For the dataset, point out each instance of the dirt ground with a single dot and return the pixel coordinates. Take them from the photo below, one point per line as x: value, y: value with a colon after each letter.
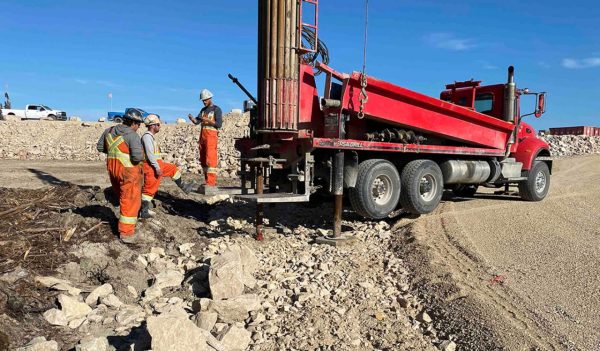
x: 526, y: 275
x: 496, y: 272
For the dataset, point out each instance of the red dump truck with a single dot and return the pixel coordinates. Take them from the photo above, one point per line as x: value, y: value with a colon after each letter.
x: 384, y: 145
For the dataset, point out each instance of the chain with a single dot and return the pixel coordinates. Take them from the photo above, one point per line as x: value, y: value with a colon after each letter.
x: 363, y: 98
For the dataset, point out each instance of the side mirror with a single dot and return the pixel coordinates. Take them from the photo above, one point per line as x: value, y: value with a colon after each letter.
x: 541, y: 105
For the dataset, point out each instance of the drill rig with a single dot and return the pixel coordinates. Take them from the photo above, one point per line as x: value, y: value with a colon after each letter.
x: 385, y: 145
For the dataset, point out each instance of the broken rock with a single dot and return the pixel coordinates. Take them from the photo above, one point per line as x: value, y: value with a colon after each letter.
x: 93, y: 344
x: 206, y: 320
x: 226, y: 275
x: 72, y: 308
x: 235, y: 309
x: 55, y: 317
x: 235, y: 338
x: 174, y: 333
x: 58, y: 284
x: 168, y: 278
x: 99, y: 292
x: 40, y: 344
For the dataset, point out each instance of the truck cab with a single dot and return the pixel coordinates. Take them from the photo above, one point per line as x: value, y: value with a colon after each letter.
x: 490, y: 100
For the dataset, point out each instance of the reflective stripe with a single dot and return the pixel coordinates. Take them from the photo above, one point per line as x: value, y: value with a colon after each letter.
x: 127, y: 220
x: 210, y: 128
x: 147, y: 197
x: 211, y: 170
x: 115, y: 153
x: 177, y: 175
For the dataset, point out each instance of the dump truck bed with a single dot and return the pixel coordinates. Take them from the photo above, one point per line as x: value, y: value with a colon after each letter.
x: 397, y: 106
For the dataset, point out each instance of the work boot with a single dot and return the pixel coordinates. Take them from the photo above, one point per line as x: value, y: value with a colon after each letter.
x: 186, y: 187
x: 145, y: 211
x: 130, y: 239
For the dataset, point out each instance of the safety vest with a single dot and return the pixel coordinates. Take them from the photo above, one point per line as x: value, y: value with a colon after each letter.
x: 156, y: 152
x: 115, y: 152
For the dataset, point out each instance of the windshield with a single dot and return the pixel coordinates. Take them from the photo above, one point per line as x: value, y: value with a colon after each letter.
x: 46, y: 107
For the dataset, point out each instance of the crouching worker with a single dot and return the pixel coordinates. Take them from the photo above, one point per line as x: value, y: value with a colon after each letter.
x: 123, y: 150
x: 155, y: 168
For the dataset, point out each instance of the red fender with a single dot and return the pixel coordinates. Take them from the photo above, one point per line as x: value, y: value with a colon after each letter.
x: 529, y: 146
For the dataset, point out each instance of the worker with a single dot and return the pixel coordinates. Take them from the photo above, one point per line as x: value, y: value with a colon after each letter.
x: 155, y: 168
x: 210, y: 117
x: 123, y: 147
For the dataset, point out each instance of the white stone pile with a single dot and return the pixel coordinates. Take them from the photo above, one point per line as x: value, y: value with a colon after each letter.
x: 572, y: 145
x: 76, y: 141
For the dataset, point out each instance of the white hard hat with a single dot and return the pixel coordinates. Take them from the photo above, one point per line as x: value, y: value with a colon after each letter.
x: 205, y: 94
x: 151, y: 120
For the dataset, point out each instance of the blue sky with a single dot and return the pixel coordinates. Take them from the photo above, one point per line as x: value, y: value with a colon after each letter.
x: 157, y: 55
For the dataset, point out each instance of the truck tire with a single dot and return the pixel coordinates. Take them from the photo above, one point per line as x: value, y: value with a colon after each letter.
x: 51, y: 118
x: 536, y: 187
x: 465, y: 190
x: 377, y: 189
x: 118, y: 120
x: 422, y: 186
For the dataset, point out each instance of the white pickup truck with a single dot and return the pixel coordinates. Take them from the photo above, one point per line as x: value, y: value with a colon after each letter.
x: 36, y: 112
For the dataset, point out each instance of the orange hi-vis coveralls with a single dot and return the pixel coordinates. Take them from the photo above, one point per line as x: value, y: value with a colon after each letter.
x: 151, y: 180
x: 124, y: 154
x: 207, y: 144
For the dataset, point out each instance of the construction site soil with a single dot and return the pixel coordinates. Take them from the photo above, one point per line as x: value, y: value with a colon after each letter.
x: 484, y: 273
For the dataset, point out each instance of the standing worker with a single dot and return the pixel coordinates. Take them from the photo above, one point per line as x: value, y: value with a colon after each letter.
x: 123, y: 147
x: 210, y: 117
x: 155, y: 168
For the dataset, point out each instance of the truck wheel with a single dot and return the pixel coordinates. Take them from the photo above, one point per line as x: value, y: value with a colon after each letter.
x: 536, y: 187
x: 118, y: 120
x: 422, y: 186
x: 465, y: 190
x: 377, y: 189
x: 51, y: 117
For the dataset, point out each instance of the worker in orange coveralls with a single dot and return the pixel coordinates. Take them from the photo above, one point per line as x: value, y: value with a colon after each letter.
x: 155, y: 168
x: 123, y: 147
x: 210, y: 117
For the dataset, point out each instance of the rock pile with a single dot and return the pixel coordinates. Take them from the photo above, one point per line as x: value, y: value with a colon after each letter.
x: 73, y: 140
x: 572, y: 145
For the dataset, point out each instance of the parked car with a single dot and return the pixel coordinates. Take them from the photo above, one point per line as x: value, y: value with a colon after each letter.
x: 117, y: 117
x: 36, y: 112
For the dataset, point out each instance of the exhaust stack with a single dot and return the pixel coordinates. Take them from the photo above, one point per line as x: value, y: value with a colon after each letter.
x: 509, y: 97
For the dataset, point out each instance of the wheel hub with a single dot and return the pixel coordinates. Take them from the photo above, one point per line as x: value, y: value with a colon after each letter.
x: 540, y: 182
x: 427, y: 187
x: 381, y: 189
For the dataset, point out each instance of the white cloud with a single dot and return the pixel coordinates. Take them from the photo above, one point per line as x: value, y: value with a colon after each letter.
x: 581, y: 63
x: 449, y: 41
x: 80, y: 81
x: 543, y: 64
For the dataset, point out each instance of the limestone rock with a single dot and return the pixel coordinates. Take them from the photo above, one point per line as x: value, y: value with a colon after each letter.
x: 174, y: 333
x: 56, y: 317
x: 99, y: 292
x: 72, y: 308
x: 40, y: 344
x: 235, y: 338
x: 168, y: 278
x: 93, y: 344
